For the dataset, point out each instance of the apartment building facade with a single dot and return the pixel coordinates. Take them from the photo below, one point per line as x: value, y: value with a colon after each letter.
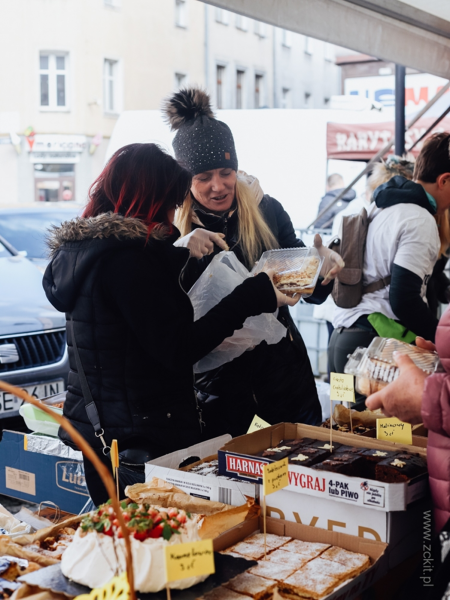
x: 85, y: 61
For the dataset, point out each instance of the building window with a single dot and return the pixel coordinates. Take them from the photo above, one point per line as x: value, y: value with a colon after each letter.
x: 260, y: 29
x: 285, y: 98
x: 53, y: 70
x: 111, y: 85
x: 308, y: 99
x: 308, y: 45
x: 242, y: 22
x: 180, y: 80
x: 259, y: 92
x: 286, y: 38
x: 240, y: 75
x: 220, y: 72
x: 180, y: 13
x: 222, y: 16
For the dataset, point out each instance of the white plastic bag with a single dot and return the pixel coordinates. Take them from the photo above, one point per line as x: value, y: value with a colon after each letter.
x: 223, y: 274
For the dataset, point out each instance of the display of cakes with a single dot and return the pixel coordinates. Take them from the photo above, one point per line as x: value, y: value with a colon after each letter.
x: 291, y: 568
x: 97, y: 552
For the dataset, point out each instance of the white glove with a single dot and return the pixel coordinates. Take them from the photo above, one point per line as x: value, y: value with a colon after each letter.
x: 332, y: 264
x: 201, y: 242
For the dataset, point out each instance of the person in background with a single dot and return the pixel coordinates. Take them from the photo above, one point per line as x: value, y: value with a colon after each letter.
x: 335, y: 185
x: 408, y: 230
x: 274, y: 381
x: 115, y: 273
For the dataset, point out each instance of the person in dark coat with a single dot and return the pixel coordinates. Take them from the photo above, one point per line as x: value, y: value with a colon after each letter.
x: 335, y: 185
x: 115, y: 273
x: 227, y: 209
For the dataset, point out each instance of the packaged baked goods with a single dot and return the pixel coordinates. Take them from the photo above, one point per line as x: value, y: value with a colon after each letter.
x: 374, y: 367
x: 296, y: 269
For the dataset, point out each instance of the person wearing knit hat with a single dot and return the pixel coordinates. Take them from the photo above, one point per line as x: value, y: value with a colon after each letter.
x: 227, y: 209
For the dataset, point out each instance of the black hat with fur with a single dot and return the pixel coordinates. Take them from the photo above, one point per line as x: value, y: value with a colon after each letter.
x: 202, y: 143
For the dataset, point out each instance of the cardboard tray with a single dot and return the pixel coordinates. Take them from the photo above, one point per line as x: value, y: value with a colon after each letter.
x: 354, y: 587
x: 227, y: 567
x: 238, y: 459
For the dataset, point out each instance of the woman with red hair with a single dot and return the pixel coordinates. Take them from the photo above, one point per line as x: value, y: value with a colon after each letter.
x: 115, y: 272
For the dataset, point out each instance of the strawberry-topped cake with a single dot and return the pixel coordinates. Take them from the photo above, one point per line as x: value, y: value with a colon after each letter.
x: 97, y: 552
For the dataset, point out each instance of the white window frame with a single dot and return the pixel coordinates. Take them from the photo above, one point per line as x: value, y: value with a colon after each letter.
x: 260, y: 29
x: 286, y: 96
x: 242, y: 22
x: 261, y: 89
x: 180, y: 80
x: 286, y: 38
x: 222, y: 16
x: 117, y: 86
x: 309, y: 42
x: 52, y: 74
x: 181, y: 16
x: 221, y: 104
x: 242, y: 72
x: 328, y: 52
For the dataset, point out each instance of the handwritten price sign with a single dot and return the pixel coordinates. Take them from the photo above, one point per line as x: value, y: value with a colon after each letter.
x: 189, y: 560
x: 394, y: 430
x: 341, y: 387
x: 275, y: 476
x: 257, y: 424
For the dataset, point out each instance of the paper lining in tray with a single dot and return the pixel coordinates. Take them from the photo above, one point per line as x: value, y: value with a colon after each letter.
x: 303, y: 263
x: 374, y: 367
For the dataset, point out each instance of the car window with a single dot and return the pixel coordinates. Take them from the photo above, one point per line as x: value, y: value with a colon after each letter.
x: 27, y: 231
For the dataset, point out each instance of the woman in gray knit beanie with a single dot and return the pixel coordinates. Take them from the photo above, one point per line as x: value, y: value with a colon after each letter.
x: 227, y: 209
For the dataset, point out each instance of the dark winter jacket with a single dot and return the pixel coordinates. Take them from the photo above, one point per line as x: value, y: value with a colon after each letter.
x: 274, y: 381
x: 326, y: 221
x: 134, y: 329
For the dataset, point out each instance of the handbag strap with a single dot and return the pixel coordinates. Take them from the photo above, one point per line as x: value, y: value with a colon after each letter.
x: 91, y: 408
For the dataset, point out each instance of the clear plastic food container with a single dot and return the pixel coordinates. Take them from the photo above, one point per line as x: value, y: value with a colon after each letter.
x: 296, y: 269
x: 374, y: 367
x: 39, y: 421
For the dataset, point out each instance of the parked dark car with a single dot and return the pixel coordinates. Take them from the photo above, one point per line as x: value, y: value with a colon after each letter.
x: 33, y: 350
x: 24, y: 226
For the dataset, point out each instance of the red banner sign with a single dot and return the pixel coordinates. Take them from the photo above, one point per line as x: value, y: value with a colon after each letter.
x: 361, y: 141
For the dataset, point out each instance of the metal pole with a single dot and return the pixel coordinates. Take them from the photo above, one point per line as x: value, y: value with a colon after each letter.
x: 399, y: 110
x: 381, y: 153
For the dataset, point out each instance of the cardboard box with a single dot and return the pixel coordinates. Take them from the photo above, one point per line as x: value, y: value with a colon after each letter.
x: 237, y: 459
x: 400, y: 529
x: 217, y: 489
x: 39, y: 468
x: 376, y: 550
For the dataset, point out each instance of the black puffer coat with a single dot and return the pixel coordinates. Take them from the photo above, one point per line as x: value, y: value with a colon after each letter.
x: 274, y: 381
x: 135, y: 331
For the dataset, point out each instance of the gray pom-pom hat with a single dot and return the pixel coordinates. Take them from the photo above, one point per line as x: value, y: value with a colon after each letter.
x: 202, y: 143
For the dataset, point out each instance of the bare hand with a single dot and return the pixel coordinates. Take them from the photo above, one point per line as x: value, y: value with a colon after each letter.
x: 201, y: 242
x: 332, y: 263
x: 426, y: 345
x: 403, y: 397
x: 282, y: 299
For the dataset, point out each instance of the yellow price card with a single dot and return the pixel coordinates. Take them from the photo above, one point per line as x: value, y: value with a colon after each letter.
x: 275, y: 476
x: 341, y: 387
x: 189, y: 560
x: 394, y: 430
x: 257, y: 424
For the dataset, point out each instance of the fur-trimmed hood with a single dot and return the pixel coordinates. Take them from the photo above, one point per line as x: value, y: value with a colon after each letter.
x: 76, y: 247
x: 107, y: 225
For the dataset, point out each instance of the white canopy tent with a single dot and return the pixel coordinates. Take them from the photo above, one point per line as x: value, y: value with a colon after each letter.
x: 413, y: 33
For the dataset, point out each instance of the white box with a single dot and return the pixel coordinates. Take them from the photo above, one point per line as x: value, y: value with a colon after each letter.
x: 216, y: 489
x: 400, y: 529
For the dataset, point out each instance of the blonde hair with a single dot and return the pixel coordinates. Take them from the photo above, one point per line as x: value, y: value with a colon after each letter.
x: 254, y: 235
